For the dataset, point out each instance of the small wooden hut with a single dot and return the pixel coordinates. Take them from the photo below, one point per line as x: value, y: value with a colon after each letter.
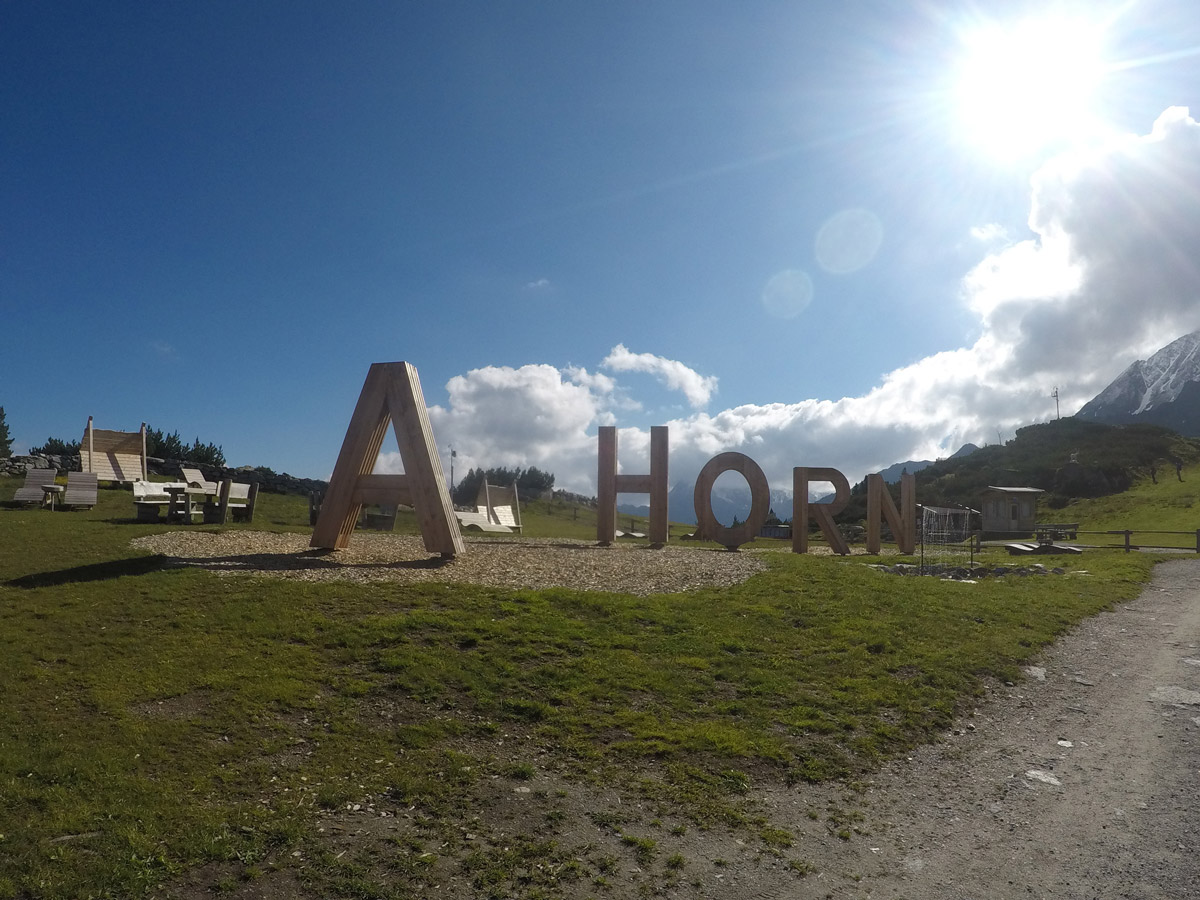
x: 1010, y: 510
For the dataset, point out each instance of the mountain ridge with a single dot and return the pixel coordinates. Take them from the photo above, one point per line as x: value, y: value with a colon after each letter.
x: 1163, y: 389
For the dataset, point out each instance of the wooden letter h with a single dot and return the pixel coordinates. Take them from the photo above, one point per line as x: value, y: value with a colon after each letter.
x: 609, y: 484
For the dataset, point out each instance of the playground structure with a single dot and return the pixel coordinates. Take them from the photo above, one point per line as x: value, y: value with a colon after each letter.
x: 114, y: 455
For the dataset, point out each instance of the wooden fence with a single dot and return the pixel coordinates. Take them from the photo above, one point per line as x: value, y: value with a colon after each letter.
x: 1127, y: 535
x: 1048, y: 534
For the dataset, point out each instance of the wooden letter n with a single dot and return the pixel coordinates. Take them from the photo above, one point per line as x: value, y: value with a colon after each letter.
x: 609, y: 484
x: 880, y: 505
x: 391, y: 393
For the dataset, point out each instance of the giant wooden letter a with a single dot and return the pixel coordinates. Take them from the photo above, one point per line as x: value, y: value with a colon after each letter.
x: 392, y: 393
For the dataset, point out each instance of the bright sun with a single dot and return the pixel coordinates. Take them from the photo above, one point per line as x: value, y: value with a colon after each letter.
x: 1029, y: 87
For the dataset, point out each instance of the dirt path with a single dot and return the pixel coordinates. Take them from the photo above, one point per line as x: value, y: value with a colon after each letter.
x: 1079, y: 782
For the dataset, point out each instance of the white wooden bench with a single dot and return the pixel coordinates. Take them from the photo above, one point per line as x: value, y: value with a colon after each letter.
x: 500, y: 506
x: 478, y: 521
x: 150, y: 496
x: 195, y: 478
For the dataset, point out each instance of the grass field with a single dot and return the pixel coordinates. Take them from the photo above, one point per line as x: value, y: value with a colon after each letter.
x: 160, y: 720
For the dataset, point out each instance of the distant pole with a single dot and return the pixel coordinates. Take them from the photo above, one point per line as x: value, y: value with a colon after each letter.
x: 1057, y: 414
x: 452, y: 457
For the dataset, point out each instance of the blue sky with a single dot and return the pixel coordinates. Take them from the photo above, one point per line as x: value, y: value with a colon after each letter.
x: 780, y: 228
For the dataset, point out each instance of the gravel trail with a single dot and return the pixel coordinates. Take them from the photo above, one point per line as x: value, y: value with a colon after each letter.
x: 1078, y: 782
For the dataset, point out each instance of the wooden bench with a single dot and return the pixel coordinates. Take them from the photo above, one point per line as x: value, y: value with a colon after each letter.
x: 31, y: 491
x: 479, y: 521
x: 81, y: 490
x: 151, y: 496
x: 235, y: 500
x: 499, y: 505
x: 384, y: 520
x: 195, y: 478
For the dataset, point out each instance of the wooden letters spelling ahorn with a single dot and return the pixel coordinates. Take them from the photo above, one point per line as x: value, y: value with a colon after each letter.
x: 391, y: 393
x: 609, y: 484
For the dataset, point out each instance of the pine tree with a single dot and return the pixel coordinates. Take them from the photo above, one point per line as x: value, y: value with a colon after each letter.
x: 5, y: 438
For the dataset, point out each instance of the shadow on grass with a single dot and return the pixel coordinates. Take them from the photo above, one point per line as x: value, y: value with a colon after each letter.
x: 308, y: 560
x: 138, y: 565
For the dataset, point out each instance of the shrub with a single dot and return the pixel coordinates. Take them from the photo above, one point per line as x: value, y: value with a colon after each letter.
x: 56, y: 447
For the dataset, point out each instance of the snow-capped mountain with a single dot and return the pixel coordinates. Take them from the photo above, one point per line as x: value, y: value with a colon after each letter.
x: 1161, y: 390
x: 727, y: 503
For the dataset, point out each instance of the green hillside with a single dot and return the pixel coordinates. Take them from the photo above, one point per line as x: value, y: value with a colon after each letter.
x: 1173, y: 504
x: 1070, y: 459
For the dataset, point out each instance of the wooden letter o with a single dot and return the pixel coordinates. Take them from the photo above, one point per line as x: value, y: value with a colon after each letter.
x: 760, y: 500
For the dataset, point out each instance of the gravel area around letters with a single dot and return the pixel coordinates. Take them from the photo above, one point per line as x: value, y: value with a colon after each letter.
x: 516, y: 563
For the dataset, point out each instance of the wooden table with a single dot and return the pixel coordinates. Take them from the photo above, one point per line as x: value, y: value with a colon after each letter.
x: 183, y: 502
x: 49, y: 492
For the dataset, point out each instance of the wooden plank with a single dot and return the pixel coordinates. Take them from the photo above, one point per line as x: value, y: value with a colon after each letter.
x: 606, y: 484
x: 908, y: 512
x: 360, y: 450
x: 422, y: 464
x: 659, y: 488
x: 383, y: 490
x: 634, y: 484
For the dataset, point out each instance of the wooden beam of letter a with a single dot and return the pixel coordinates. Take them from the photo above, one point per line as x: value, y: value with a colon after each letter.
x: 391, y: 394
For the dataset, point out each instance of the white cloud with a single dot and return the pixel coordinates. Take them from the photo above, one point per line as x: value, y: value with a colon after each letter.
x: 532, y: 416
x: 990, y: 233
x: 1110, y: 274
x: 541, y: 284
x: 697, y: 388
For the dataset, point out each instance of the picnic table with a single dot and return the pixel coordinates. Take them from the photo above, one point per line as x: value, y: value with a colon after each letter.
x: 183, y: 506
x: 1051, y: 532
